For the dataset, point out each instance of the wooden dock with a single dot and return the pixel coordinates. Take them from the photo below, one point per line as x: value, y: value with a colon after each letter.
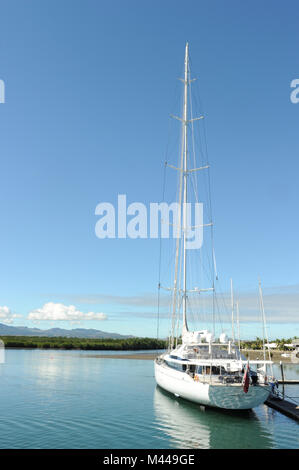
x: 288, y: 381
x: 286, y: 407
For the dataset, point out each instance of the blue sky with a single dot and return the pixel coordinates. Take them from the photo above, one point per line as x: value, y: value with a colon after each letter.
x: 89, y: 88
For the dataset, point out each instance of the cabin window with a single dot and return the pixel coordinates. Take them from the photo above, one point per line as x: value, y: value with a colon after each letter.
x: 174, y: 365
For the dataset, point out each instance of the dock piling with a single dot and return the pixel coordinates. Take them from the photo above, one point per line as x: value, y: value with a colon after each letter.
x: 282, y: 378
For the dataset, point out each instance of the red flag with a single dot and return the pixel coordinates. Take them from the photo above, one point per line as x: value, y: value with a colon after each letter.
x: 246, y: 378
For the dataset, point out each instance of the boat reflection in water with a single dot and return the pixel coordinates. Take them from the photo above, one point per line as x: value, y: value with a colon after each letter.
x: 192, y: 426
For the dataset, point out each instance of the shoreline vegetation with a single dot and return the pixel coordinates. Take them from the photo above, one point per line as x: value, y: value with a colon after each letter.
x: 252, y: 349
x: 84, y: 344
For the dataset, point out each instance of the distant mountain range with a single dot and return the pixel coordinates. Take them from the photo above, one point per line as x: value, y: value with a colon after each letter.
x: 6, y: 330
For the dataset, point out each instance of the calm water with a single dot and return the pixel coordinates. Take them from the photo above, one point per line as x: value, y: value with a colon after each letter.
x: 64, y: 399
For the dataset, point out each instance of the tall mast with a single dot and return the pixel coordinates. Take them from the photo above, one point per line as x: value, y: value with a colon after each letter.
x: 185, y: 110
x: 265, y: 333
x: 238, y: 323
x: 263, y: 317
x: 232, y: 305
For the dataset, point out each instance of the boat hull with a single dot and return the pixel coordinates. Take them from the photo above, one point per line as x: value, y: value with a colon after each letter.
x: 226, y: 396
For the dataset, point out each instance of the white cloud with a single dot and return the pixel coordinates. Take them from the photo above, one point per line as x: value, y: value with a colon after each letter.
x: 59, y: 312
x: 6, y: 315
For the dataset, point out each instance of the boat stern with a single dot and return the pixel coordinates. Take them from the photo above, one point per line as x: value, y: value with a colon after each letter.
x: 235, y: 398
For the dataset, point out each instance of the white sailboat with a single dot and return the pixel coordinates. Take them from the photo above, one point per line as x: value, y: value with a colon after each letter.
x: 198, y: 366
